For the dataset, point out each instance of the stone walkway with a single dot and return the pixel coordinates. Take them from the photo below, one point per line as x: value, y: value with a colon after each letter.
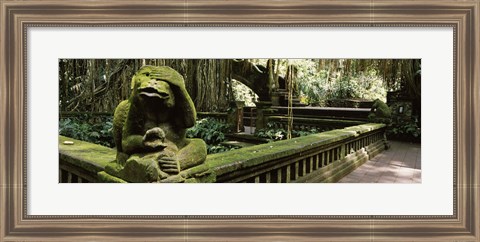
x: 399, y: 164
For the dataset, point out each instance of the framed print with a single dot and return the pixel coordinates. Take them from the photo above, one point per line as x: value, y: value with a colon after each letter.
x: 41, y: 38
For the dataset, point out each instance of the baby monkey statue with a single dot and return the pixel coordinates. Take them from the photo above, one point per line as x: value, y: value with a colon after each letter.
x: 150, y: 128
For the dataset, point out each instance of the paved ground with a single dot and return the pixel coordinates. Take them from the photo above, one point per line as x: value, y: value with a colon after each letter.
x: 399, y: 164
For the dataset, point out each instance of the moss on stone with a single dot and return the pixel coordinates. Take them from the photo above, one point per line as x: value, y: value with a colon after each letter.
x: 91, y: 157
x: 107, y: 178
x: 230, y: 161
x: 198, y: 174
x: 380, y: 112
x: 360, y: 129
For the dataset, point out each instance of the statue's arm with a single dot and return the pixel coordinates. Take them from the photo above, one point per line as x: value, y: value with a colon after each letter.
x: 119, y: 117
x: 193, y: 154
x: 133, y: 144
x: 151, y: 141
x: 132, y: 134
x: 125, y: 139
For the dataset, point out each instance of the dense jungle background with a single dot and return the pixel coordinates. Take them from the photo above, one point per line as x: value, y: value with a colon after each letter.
x: 98, y: 85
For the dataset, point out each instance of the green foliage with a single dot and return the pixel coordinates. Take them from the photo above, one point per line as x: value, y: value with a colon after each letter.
x: 273, y: 133
x: 212, y: 132
x: 335, y: 79
x: 317, y: 86
x: 404, y: 129
x: 213, y: 149
x: 95, y: 130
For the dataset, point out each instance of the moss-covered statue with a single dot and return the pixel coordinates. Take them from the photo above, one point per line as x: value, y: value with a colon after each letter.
x: 149, y: 128
x: 380, y: 112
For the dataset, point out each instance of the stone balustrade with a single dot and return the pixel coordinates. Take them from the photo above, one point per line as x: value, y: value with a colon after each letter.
x: 81, y: 161
x: 322, y: 157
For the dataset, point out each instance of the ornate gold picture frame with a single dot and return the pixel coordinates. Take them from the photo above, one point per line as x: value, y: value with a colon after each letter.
x: 17, y: 16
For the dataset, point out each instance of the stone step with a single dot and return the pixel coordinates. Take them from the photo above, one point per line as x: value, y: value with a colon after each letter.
x: 234, y: 143
x: 245, y: 137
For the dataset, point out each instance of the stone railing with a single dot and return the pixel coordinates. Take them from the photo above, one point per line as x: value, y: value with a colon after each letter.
x: 360, y: 114
x: 307, y: 124
x: 322, y: 157
x: 221, y: 117
x: 81, y: 161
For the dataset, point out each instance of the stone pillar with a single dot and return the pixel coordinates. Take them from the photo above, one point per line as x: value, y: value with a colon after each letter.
x: 276, y: 98
x: 264, y: 110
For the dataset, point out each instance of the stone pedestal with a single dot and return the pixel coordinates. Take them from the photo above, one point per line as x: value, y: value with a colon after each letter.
x: 400, y: 104
x: 197, y: 174
x: 264, y: 110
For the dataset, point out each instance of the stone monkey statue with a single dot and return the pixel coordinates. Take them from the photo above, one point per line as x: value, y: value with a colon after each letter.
x: 380, y: 112
x: 150, y: 128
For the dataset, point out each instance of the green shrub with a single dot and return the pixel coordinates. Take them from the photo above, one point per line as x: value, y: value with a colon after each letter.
x: 317, y: 86
x: 83, y: 128
x: 212, y: 132
x: 408, y: 130
x: 380, y: 112
x: 213, y: 149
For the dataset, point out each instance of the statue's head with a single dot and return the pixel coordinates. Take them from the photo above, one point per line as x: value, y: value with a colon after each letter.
x: 152, y: 90
x: 164, y: 88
